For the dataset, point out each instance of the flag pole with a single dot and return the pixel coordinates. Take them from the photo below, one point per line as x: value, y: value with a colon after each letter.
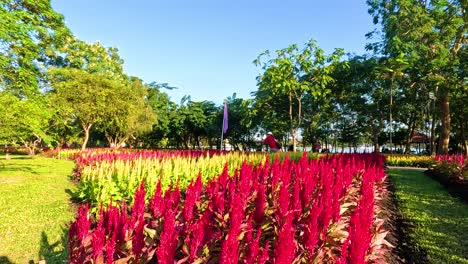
x: 224, y: 127
x: 222, y: 130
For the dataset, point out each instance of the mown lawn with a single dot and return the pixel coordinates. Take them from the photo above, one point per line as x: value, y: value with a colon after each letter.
x: 34, y: 209
x: 438, y: 222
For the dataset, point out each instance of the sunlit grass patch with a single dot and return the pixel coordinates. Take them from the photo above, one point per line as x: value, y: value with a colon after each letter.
x: 34, y: 209
x: 439, y: 222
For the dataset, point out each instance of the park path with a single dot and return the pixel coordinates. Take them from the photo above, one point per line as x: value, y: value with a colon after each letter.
x: 407, y: 168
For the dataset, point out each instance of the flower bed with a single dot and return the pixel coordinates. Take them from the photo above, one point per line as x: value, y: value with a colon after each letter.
x: 317, y: 211
x: 452, y: 172
x: 116, y: 175
x: 403, y: 160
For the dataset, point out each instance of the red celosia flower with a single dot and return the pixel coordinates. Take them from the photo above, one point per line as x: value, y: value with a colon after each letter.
x: 254, y: 248
x: 260, y: 203
x: 310, y: 238
x: 360, y: 224
x: 196, y: 232
x: 344, y: 252
x: 230, y: 246
x: 123, y: 225
x: 110, y: 249
x: 78, y: 233
x: 296, y: 206
x: 263, y: 257
x: 283, y: 200
x: 209, y: 220
x: 98, y: 239
x: 168, y: 239
x: 137, y: 221
x: 192, y: 196
x: 83, y: 222
x: 285, y: 246
x: 157, y: 204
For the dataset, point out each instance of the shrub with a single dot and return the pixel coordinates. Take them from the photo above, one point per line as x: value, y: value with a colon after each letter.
x: 403, y: 160
x: 454, y: 167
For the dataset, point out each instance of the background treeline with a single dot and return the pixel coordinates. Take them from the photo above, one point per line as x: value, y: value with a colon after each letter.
x: 56, y: 90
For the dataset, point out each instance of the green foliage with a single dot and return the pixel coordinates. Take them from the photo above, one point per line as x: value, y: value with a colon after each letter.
x: 243, y: 120
x: 162, y: 107
x: 410, y: 161
x: 93, y: 58
x: 30, y: 34
x: 24, y: 121
x: 430, y: 35
x: 35, y: 209
x: 132, y: 116
x: 295, y: 156
x: 439, y: 226
x: 86, y: 97
x: 290, y: 77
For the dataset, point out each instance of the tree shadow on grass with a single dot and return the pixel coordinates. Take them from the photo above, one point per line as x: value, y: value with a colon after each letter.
x: 5, y: 260
x: 75, y: 200
x: 29, y: 168
x: 54, y: 252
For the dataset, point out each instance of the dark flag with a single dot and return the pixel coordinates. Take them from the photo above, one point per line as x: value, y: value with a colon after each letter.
x: 225, y: 118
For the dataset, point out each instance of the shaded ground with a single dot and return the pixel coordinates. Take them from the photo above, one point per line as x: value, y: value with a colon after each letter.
x: 457, y: 188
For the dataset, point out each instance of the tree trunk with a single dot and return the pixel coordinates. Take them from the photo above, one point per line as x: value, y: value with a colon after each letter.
x: 412, y: 128
x: 293, y: 136
x: 375, y: 138
x: 445, y: 125
x: 86, y: 129
x: 27, y: 145
x: 432, y: 147
x: 463, y: 139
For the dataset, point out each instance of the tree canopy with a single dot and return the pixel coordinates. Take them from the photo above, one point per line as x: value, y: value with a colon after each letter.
x: 56, y: 89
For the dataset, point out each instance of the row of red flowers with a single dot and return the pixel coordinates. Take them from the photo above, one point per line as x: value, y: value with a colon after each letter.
x: 317, y: 211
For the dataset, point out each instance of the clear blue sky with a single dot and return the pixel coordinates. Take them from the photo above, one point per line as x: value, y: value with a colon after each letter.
x: 206, y: 47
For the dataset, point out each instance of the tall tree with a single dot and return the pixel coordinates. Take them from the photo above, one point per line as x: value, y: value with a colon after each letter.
x: 93, y: 75
x: 360, y: 92
x: 292, y: 74
x: 243, y: 122
x: 24, y: 121
x: 163, y: 108
x: 31, y: 34
x: 431, y: 33
x: 188, y: 123
x: 132, y: 116
x: 88, y: 98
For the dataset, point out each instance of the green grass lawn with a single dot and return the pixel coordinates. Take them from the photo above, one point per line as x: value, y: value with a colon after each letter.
x: 439, y: 222
x: 34, y: 209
